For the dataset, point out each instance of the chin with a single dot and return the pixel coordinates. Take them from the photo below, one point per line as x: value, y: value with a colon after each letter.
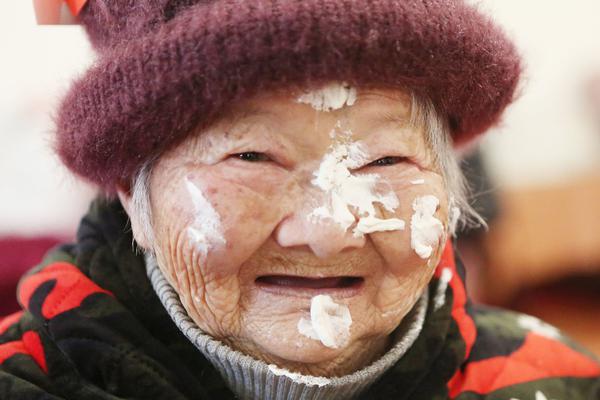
x: 305, y: 351
x: 293, y: 350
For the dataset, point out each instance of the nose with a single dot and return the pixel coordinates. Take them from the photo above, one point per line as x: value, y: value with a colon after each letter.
x: 323, y: 236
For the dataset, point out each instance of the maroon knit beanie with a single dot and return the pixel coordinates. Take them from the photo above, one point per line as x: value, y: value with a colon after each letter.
x: 166, y: 67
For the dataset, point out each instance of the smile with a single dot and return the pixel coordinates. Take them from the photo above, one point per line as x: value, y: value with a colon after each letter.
x: 342, y: 286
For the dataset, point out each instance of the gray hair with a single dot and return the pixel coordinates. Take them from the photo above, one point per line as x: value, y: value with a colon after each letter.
x: 140, y: 196
x: 438, y: 137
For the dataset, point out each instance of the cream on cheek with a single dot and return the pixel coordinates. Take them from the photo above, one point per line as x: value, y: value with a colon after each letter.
x: 424, y: 187
x: 426, y: 229
x: 406, y: 273
x: 222, y: 225
x: 235, y: 215
x: 345, y: 190
x: 205, y: 232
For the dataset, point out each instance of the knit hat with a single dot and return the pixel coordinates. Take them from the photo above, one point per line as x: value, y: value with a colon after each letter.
x: 166, y: 67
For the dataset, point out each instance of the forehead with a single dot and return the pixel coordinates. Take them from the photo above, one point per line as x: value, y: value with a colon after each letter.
x: 277, y: 122
x: 371, y: 106
x: 380, y: 118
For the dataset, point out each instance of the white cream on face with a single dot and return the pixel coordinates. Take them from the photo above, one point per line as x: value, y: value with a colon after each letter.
x: 426, y: 229
x: 339, y: 133
x: 329, y: 322
x: 371, y: 224
x: 205, y: 232
x: 345, y: 189
x: 330, y: 97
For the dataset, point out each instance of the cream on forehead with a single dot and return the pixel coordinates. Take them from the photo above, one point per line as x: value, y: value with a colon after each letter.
x: 329, y: 322
x: 332, y: 96
x: 205, y: 231
x: 345, y: 189
x: 426, y: 229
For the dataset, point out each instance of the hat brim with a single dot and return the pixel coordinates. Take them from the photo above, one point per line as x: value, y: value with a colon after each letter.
x: 149, y: 92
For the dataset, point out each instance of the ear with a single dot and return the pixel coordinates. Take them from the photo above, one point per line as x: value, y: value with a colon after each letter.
x: 138, y: 228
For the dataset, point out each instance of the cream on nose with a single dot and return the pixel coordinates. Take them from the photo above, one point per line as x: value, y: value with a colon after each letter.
x: 324, y: 237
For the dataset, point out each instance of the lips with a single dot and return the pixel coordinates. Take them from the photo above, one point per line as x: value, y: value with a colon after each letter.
x: 299, y: 282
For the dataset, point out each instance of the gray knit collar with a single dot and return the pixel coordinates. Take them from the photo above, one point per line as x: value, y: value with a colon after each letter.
x: 250, y: 378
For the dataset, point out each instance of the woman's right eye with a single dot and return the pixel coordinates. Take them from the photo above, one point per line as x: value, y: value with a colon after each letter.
x: 252, y: 156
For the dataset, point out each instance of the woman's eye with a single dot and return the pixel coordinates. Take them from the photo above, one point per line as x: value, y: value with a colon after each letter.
x: 252, y: 156
x: 390, y: 160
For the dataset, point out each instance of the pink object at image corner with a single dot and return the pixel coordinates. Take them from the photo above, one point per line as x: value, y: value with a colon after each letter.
x: 57, y: 12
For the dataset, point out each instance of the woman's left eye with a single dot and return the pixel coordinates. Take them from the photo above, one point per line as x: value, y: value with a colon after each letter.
x: 252, y: 156
x: 390, y: 160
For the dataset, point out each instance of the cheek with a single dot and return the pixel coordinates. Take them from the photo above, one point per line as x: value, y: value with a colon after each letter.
x: 395, y: 247
x: 249, y: 210
x: 405, y: 273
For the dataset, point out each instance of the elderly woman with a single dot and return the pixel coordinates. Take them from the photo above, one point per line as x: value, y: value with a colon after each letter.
x: 280, y: 191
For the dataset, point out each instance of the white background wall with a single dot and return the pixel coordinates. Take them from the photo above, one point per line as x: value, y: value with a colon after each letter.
x: 37, y: 195
x: 550, y: 136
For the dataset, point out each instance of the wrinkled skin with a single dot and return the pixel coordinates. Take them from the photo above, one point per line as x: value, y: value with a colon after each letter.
x: 263, y: 205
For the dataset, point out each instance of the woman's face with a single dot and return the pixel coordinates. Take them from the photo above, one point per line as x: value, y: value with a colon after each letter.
x: 269, y: 207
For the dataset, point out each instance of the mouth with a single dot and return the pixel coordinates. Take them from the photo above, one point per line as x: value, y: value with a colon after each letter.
x: 342, y: 286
